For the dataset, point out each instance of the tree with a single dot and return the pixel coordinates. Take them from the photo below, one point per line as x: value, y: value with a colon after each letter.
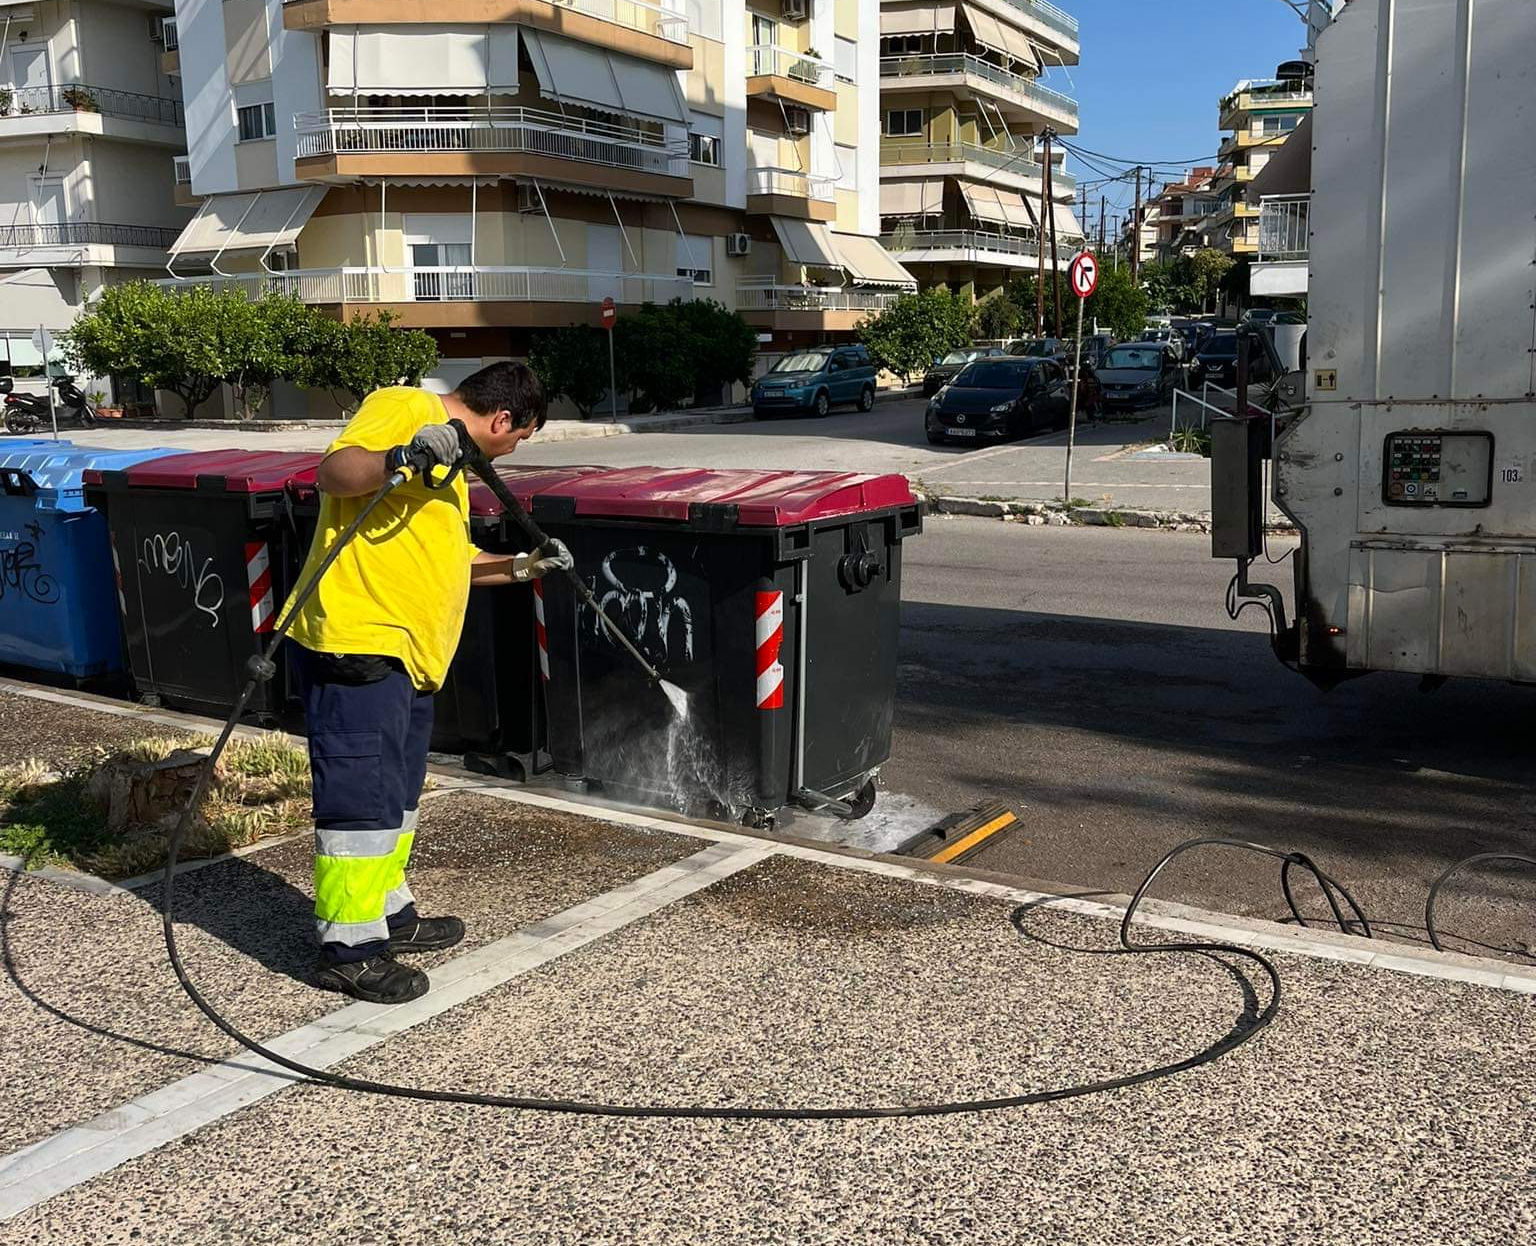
x: 572, y: 363
x: 653, y: 359
x: 1207, y: 269
x: 998, y: 317
x: 353, y: 358
x: 1021, y: 291
x: 163, y: 338
x: 1118, y: 304
x: 265, y: 340
x: 916, y: 329
x: 1157, y: 283
x: 721, y: 344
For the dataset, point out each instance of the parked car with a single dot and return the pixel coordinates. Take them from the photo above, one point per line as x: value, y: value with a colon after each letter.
x: 1138, y: 374
x: 1217, y: 362
x: 1170, y: 337
x: 1095, y: 346
x: 1036, y: 347
x: 947, y: 368
x: 1196, y: 334
x: 1259, y: 315
x: 1090, y: 393
x: 815, y: 380
x: 995, y: 399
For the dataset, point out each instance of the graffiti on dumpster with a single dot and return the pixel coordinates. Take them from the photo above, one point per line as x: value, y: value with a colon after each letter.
x: 167, y: 554
x: 638, y: 589
x: 21, y: 572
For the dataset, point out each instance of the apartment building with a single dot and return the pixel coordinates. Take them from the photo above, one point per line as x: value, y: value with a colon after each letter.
x: 1258, y: 116
x: 1181, y: 210
x: 481, y: 168
x: 90, y: 122
x: 962, y: 114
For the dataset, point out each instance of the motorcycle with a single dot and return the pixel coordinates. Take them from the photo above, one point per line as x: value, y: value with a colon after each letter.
x: 25, y: 413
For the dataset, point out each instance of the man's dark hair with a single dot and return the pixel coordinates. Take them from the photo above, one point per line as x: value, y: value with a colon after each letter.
x: 506, y: 387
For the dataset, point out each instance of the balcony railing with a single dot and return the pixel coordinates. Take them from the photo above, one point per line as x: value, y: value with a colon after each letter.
x: 344, y: 131
x: 636, y: 14
x: 85, y: 233
x: 455, y: 284
x: 168, y: 36
x: 895, y: 152
x: 961, y: 240
x: 1049, y: 14
x: 790, y: 182
x: 1284, y: 227
x: 79, y: 97
x: 181, y: 170
x: 965, y: 63
x: 764, y: 59
x: 1267, y: 90
x: 766, y: 295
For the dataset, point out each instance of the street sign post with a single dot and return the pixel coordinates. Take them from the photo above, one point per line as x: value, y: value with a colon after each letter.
x: 1084, y: 278
x: 609, y: 316
x: 43, y: 341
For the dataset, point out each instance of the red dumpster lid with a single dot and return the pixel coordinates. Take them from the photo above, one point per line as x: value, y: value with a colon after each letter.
x: 526, y: 483
x: 761, y: 499
x: 241, y: 471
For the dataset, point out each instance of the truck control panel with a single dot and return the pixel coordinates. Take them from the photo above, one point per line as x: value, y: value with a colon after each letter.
x: 1433, y: 468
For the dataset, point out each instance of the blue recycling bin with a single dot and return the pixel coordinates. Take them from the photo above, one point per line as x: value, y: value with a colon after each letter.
x: 58, y: 589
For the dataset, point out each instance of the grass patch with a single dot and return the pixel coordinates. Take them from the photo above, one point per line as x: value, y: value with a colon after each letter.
x: 1191, y: 441
x: 1114, y: 519
x: 111, y: 816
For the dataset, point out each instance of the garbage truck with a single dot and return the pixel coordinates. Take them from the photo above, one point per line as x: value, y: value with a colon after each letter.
x: 1409, y: 465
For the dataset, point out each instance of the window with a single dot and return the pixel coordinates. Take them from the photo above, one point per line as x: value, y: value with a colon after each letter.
x: 695, y: 258
x: 845, y: 58
x: 256, y: 121
x: 1275, y: 125
x: 902, y: 45
x: 847, y: 167
x: 904, y: 122
x: 704, y: 149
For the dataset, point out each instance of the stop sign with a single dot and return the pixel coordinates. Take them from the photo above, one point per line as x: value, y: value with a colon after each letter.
x: 609, y: 314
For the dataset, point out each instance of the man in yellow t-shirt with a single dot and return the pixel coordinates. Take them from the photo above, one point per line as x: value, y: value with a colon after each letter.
x: 375, y: 640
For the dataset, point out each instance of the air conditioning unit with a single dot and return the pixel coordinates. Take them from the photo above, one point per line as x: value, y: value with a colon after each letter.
x: 795, y: 10
x: 528, y: 198
x: 738, y: 244
x: 797, y: 121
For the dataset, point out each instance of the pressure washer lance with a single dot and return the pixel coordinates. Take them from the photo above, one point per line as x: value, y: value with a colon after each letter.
x: 477, y: 462
x: 261, y: 667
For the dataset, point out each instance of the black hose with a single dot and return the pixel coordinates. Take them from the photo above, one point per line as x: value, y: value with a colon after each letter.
x: 1434, y: 891
x: 1249, y: 1022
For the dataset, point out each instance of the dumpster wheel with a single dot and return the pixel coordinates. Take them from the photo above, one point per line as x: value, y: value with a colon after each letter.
x: 1250, y: 1020
x: 861, y: 802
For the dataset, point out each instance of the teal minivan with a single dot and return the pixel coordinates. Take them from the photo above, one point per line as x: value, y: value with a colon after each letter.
x: 814, y: 380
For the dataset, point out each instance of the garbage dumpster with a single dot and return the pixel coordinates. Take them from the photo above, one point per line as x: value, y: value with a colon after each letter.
x: 491, y: 706
x: 203, y: 544
x: 57, y: 595
x: 771, y: 598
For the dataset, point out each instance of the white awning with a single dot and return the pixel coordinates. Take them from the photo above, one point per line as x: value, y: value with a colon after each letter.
x: 983, y: 203
x: 1015, y: 211
x: 912, y: 198
x: 916, y: 19
x: 30, y: 297
x: 999, y: 35
x: 869, y: 264
x: 806, y: 242
x: 422, y: 60
x: 1067, y: 225
x: 585, y: 74
x: 261, y: 221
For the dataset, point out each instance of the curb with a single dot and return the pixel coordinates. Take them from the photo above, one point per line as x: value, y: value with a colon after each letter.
x: 1054, y: 514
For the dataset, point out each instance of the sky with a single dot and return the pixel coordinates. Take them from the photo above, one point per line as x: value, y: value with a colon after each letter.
x: 1153, y: 71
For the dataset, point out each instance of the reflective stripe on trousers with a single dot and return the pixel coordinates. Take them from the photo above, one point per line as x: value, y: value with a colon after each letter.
x: 360, y: 881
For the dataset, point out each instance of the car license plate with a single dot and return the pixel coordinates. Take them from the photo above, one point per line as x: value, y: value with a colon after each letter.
x: 961, y: 432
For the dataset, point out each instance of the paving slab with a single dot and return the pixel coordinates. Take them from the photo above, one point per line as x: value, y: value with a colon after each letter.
x: 1380, y: 1107
x: 91, y: 1015
x: 63, y: 735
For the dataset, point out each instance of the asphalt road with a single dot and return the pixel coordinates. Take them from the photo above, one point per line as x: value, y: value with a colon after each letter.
x: 1092, y: 678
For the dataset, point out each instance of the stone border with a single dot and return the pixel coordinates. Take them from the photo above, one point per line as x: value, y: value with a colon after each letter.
x: 1054, y: 514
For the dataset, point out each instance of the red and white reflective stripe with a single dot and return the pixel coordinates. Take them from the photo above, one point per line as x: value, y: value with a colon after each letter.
x: 258, y: 574
x: 539, y: 629
x: 770, y: 639
x: 117, y: 574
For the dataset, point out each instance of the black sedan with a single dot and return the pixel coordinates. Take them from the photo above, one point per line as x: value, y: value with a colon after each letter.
x: 1217, y: 362
x: 1138, y: 374
x: 943, y: 372
x: 995, y: 399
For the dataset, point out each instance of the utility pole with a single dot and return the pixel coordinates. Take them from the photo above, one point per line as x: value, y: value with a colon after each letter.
x: 1103, y: 209
x: 1045, y: 199
x: 1050, y: 207
x: 1136, y: 234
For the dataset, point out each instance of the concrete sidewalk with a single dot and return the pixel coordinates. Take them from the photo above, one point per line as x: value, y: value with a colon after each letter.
x: 619, y: 957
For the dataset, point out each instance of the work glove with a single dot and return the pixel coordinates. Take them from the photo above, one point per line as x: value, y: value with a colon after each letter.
x: 540, y: 562
x: 434, y: 445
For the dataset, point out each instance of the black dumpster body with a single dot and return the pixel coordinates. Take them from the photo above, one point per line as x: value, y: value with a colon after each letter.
x: 771, y: 598
x: 204, y: 550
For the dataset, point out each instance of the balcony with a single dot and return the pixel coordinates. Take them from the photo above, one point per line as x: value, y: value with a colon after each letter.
x: 85, y: 242
x: 970, y: 246
x: 763, y: 302
x: 962, y: 71
x: 1057, y: 28
x: 776, y: 73
x: 78, y: 108
x: 170, y: 47
x: 633, y: 27
x: 1266, y: 94
x: 1016, y: 169
x: 181, y: 181
x: 460, y: 296
x: 789, y: 192
x: 347, y: 143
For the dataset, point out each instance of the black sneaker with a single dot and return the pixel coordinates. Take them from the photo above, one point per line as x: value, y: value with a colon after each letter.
x: 378, y: 980
x: 426, y: 934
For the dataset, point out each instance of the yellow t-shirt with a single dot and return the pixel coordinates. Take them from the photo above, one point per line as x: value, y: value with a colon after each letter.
x: 401, y: 586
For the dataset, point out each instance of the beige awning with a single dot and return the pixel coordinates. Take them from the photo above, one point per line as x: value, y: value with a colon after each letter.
x: 912, y: 198
x: 421, y: 59
x: 916, y: 19
x: 806, y: 242
x: 998, y: 35
x: 983, y: 203
x: 869, y: 264
x: 1015, y: 210
x: 262, y: 220
x: 1067, y: 225
x: 568, y: 69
